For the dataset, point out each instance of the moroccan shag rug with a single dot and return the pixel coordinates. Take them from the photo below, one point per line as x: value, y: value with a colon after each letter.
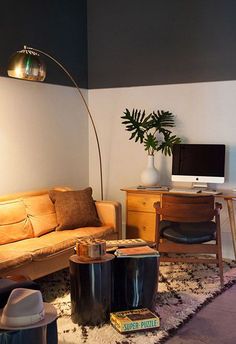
x: 182, y: 291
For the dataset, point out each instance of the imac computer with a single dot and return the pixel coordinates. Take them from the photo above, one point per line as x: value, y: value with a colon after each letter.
x: 198, y: 163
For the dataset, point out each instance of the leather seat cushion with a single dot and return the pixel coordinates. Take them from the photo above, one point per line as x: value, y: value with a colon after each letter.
x: 188, y: 233
x: 12, y: 259
x: 54, y: 242
x: 58, y: 241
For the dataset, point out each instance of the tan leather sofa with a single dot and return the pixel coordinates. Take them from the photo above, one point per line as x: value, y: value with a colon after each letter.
x: 22, y: 252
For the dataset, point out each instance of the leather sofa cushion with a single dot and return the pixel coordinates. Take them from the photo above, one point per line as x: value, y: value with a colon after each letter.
x: 58, y: 241
x: 28, y: 245
x: 54, y: 242
x: 12, y: 259
x: 41, y: 212
x: 14, y: 224
x: 75, y: 209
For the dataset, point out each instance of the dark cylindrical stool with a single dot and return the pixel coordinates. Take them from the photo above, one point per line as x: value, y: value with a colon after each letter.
x: 91, y: 285
x: 33, y: 335
x: 135, y: 282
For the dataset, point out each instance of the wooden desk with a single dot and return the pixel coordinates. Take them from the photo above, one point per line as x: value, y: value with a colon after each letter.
x: 140, y: 214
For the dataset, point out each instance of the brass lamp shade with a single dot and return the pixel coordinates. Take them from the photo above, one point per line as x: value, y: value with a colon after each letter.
x: 26, y: 64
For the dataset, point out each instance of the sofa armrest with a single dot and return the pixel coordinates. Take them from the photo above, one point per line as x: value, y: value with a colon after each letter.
x: 110, y: 214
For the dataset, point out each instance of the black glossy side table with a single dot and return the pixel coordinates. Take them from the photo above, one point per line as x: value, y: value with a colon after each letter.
x: 91, y: 289
x: 135, y: 282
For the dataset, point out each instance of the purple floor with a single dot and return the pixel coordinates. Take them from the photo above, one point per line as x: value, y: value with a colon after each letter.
x: 214, y: 324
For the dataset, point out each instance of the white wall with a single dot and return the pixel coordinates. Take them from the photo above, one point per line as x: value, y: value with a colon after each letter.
x: 205, y: 113
x: 43, y: 136
x: 44, y: 141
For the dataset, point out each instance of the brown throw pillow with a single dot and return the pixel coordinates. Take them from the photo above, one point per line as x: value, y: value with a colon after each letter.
x: 75, y: 209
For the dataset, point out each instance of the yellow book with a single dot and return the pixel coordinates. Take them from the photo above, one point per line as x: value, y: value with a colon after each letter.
x: 134, y: 320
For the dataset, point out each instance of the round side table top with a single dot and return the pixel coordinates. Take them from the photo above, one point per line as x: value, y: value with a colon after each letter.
x: 76, y: 259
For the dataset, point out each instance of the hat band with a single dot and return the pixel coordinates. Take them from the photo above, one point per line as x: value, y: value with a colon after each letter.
x: 22, y: 320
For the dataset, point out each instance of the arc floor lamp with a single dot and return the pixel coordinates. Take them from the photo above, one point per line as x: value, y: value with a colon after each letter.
x: 26, y: 64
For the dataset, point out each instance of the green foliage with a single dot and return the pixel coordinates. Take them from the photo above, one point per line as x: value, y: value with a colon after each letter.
x: 151, y: 130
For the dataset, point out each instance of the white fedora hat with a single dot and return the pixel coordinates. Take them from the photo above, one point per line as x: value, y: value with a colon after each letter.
x: 25, y: 309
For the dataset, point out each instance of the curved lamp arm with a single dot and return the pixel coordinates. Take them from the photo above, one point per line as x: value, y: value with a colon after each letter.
x: 84, y: 102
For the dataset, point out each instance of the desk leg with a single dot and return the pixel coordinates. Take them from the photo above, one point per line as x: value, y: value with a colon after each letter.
x: 232, y: 222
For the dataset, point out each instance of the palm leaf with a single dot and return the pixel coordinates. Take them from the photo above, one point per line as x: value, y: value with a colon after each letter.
x: 167, y: 144
x: 150, y: 143
x: 135, y: 122
x: 144, y: 129
x: 162, y: 119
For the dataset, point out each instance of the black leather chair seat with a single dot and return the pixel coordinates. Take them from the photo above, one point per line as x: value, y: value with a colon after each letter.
x: 188, y: 233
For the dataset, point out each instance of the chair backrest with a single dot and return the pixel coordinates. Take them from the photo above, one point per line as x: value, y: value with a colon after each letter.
x: 186, y: 208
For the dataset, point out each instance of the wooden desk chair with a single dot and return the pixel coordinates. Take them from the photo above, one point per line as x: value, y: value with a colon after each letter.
x: 184, y: 224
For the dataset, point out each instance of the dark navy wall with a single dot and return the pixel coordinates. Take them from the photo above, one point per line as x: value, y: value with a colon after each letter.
x: 130, y: 42
x: 58, y: 27
x: 148, y: 42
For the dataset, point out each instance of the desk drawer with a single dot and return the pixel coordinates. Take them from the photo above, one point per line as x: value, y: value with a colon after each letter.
x: 140, y: 225
x: 140, y: 202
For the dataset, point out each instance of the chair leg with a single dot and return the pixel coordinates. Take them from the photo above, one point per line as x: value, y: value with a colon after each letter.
x: 221, y: 273
x: 219, y: 251
x: 220, y: 264
x: 157, y: 231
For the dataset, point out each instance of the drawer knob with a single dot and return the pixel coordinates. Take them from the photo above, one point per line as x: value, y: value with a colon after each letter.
x: 144, y: 203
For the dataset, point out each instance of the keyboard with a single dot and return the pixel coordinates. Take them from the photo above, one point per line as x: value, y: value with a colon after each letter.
x: 185, y: 190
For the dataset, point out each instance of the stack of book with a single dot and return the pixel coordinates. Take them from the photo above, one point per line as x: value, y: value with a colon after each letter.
x: 134, y: 320
x: 140, y: 251
x: 125, y: 243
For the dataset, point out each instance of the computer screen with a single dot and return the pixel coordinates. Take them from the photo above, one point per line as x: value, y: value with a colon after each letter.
x: 204, y: 163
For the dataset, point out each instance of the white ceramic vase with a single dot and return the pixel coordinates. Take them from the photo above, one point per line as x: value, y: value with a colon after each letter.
x: 150, y: 176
